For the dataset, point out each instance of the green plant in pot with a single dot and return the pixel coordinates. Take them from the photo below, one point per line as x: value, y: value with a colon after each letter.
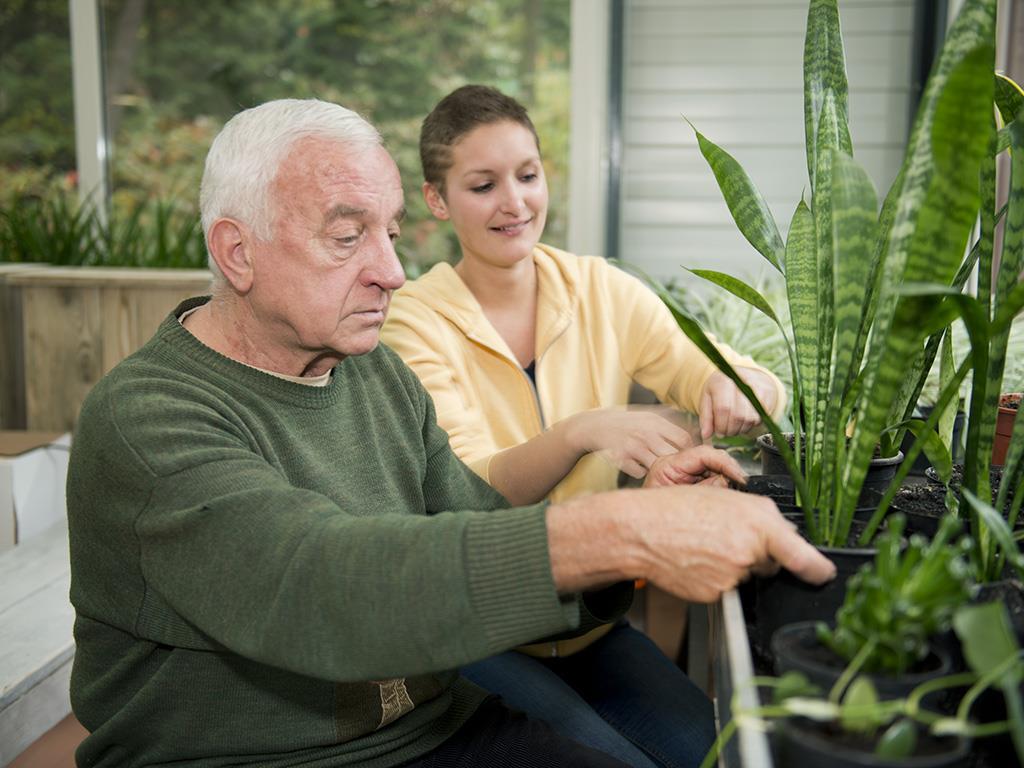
x: 893, y: 608
x: 853, y: 722
x: 859, y: 347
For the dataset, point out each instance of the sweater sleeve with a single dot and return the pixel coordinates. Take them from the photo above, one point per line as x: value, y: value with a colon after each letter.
x: 658, y: 355
x: 414, y: 331
x: 232, y: 555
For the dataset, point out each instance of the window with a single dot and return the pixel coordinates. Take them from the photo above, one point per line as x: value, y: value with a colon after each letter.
x: 176, y: 71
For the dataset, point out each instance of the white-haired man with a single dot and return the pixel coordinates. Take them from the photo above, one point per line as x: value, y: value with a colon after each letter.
x: 276, y: 558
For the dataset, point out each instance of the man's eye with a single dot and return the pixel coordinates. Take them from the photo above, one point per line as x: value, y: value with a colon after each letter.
x: 347, y: 240
x: 394, y: 235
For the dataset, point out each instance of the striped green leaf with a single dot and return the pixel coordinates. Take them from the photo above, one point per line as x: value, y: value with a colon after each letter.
x: 938, y: 204
x: 803, y: 296
x: 824, y: 71
x: 746, y: 204
x: 1009, y: 98
x: 739, y: 289
x: 854, y: 227
x: 828, y: 139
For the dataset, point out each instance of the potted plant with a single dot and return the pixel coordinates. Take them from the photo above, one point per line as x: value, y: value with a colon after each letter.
x: 893, y: 608
x: 855, y: 726
x: 859, y: 348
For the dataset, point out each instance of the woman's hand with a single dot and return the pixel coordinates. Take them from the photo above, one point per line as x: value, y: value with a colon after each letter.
x: 632, y: 439
x: 701, y: 465
x: 724, y: 410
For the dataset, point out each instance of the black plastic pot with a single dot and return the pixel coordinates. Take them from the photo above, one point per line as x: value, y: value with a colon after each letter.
x: 880, y: 472
x: 775, y: 601
x: 804, y: 743
x: 795, y: 647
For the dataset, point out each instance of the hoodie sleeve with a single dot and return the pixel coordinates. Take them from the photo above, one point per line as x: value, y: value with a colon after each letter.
x: 658, y: 355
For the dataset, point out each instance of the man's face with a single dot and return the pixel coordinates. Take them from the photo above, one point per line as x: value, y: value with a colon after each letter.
x: 323, y: 282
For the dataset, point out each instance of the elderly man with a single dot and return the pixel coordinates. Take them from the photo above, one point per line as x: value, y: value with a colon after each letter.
x: 276, y: 558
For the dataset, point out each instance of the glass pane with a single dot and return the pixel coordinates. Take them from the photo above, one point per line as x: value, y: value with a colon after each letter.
x: 176, y: 71
x: 37, y: 135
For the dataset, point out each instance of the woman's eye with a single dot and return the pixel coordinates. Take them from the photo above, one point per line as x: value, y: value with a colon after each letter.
x: 529, y: 177
x: 482, y: 188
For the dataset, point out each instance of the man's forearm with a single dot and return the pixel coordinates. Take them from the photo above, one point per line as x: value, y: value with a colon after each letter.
x: 695, y: 541
x: 593, y: 541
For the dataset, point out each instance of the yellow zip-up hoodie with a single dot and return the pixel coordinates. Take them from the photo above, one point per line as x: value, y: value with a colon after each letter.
x: 598, y: 329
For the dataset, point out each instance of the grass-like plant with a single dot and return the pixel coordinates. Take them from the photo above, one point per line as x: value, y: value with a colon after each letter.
x: 55, y: 231
x: 859, y: 346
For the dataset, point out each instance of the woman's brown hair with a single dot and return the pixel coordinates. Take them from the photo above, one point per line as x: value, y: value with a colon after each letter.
x: 457, y: 114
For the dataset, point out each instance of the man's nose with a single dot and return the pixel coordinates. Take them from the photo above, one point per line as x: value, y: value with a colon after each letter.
x: 386, y: 270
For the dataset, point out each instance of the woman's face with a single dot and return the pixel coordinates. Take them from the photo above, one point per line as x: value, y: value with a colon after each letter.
x: 496, y: 195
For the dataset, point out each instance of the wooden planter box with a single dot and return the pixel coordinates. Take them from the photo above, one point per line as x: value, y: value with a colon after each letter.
x: 65, y: 327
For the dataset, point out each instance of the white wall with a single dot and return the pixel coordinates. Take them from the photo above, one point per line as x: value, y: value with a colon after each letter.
x: 734, y: 68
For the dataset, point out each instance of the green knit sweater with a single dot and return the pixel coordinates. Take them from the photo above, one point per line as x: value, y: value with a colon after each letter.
x: 267, y: 573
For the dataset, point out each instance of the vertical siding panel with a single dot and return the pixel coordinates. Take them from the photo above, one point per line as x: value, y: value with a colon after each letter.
x: 733, y: 67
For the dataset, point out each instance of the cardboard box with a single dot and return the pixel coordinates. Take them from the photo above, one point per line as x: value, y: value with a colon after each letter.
x: 33, y: 471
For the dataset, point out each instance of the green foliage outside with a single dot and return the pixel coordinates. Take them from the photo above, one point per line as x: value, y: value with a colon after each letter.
x: 175, y: 72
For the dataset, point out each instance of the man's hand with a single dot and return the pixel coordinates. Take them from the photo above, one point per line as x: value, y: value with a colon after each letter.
x: 702, y: 465
x: 693, y: 541
x: 724, y: 410
x: 631, y: 439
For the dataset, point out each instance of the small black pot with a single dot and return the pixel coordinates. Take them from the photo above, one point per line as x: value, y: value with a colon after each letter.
x: 796, y: 647
x: 807, y: 744
x: 880, y: 472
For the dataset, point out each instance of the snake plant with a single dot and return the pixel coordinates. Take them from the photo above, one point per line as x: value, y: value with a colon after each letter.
x: 860, y: 346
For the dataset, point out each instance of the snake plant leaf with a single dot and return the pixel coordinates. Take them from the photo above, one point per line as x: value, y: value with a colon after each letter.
x: 824, y: 70
x: 804, y: 295
x: 947, y: 367
x: 938, y: 205
x: 746, y: 204
x: 854, y: 214
x: 828, y: 140
x: 1009, y: 98
x: 739, y: 289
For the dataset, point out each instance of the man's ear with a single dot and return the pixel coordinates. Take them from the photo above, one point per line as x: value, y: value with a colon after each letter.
x: 229, y: 245
x: 435, y: 202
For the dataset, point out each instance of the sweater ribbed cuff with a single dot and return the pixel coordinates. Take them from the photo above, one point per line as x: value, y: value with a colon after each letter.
x: 510, y: 579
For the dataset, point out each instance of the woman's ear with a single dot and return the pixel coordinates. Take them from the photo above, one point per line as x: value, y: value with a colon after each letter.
x: 435, y: 202
x: 229, y: 246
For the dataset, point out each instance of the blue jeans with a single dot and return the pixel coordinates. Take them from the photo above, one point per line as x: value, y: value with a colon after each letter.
x: 620, y: 695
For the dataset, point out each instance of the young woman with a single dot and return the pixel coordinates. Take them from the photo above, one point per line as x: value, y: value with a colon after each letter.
x: 529, y: 353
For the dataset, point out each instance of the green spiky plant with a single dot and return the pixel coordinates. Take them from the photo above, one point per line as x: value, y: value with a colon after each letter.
x: 988, y: 319
x: 859, y: 346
